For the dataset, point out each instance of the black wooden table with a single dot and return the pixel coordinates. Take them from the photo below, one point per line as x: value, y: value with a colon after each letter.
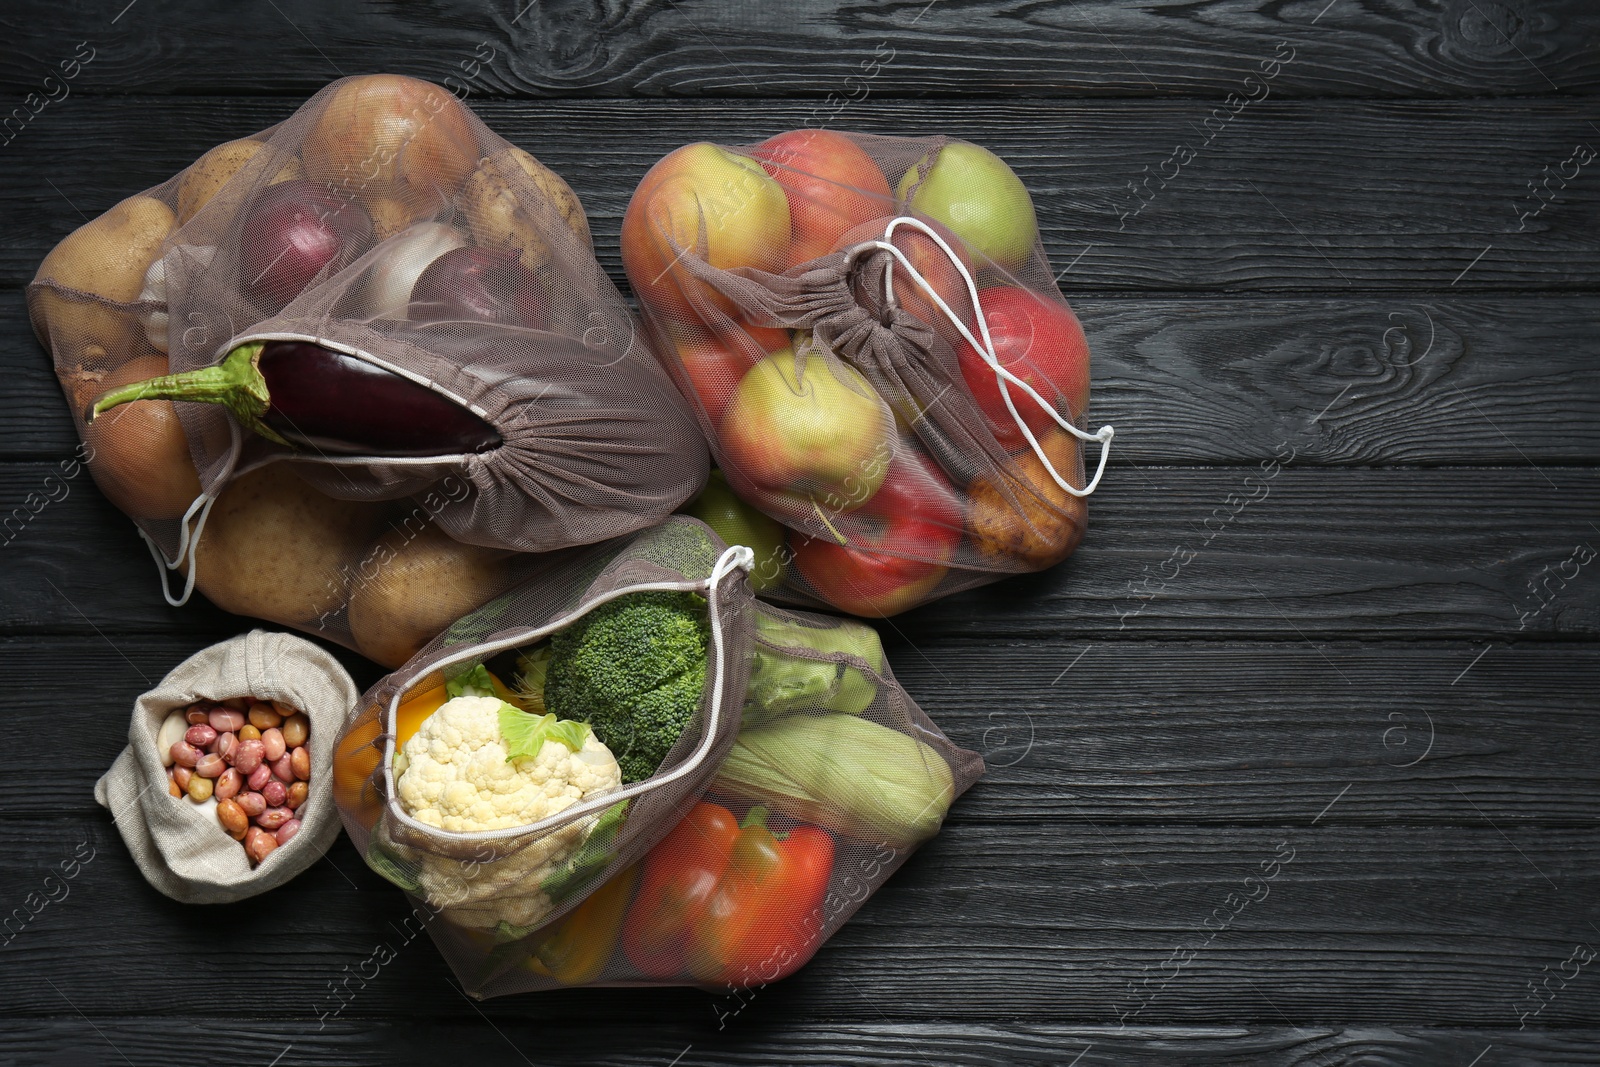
x: 1292, y: 763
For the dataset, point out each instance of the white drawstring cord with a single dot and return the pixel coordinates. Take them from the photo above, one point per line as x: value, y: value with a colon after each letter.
x: 189, y: 541
x: 986, y: 348
x: 735, y: 557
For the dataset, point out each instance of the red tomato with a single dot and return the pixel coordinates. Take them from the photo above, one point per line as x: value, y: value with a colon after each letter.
x: 1041, y: 342
x: 902, y: 541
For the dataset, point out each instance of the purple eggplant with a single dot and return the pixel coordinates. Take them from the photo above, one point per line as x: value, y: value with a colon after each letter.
x: 305, y: 396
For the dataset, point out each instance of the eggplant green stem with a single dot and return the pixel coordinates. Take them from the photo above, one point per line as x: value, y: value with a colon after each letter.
x: 236, y: 383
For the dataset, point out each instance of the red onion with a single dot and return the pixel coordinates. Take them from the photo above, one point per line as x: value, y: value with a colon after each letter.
x: 478, y: 283
x: 293, y: 231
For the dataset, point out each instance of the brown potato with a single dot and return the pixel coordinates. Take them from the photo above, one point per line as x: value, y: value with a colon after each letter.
x: 105, y: 258
x: 139, y: 454
x: 207, y: 175
x: 278, y: 549
x: 411, y: 584
x: 494, y: 200
x: 389, y: 137
x: 1046, y: 524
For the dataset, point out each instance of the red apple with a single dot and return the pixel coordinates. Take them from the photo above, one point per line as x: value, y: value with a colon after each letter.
x: 832, y: 185
x: 293, y: 231
x: 807, y: 426
x: 901, y: 543
x: 930, y: 261
x: 701, y: 200
x: 972, y: 191
x: 1041, y: 342
x: 478, y: 283
x: 711, y: 371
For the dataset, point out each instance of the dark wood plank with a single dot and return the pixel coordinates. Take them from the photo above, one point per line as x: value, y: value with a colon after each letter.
x: 765, y: 1040
x: 1290, y: 196
x: 1345, y: 382
x: 1060, y: 921
x: 817, y: 47
x: 1098, y: 732
x: 1199, y: 552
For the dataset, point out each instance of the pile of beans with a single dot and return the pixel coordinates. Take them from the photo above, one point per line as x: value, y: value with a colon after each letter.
x: 249, y: 757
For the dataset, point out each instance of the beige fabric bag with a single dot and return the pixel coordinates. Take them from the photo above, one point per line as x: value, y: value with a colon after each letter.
x: 180, y: 846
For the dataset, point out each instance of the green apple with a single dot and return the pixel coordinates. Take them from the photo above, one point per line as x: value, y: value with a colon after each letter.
x: 807, y: 427
x: 974, y: 193
x: 737, y: 523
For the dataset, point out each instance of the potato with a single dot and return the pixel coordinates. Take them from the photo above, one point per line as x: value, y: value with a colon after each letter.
x: 494, y: 202
x: 278, y: 549
x: 106, y: 258
x: 412, y: 584
x: 1047, y: 523
x: 207, y: 175
x: 139, y: 454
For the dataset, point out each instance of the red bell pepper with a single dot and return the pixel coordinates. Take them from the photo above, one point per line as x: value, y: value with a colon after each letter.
x: 728, y: 902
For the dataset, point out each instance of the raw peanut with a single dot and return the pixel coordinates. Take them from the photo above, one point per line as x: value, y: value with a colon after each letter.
x: 232, y: 818
x: 228, y: 785
x: 262, y: 717
x: 252, y: 803
x: 261, y: 846
x: 172, y: 785
x: 199, y: 789
x: 283, y: 769
x: 226, y: 745
x: 184, y: 754
x: 273, y: 818
x: 260, y: 777
x: 273, y: 744
x: 181, y: 775
x: 239, y: 704
x: 210, y: 766
x: 196, y: 716
x: 249, y: 733
x: 247, y: 757
x: 286, y: 832
x: 200, y: 735
x: 297, y: 795
x: 300, y: 761
x: 295, y: 729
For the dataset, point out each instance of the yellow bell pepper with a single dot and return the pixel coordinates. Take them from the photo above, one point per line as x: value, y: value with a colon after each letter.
x: 577, y: 950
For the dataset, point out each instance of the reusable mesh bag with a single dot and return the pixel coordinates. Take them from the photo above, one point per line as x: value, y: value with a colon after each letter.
x: 801, y: 735
x: 878, y: 354
x: 393, y: 301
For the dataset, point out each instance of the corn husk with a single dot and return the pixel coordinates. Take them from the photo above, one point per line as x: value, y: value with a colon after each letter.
x: 848, y: 774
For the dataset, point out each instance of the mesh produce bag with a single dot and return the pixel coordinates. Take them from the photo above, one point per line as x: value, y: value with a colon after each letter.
x: 879, y: 356
x: 390, y: 299
x: 803, y: 778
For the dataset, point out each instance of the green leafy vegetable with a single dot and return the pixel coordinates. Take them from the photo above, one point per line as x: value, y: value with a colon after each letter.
x: 532, y: 667
x: 590, y: 857
x: 387, y: 866
x: 474, y: 682
x: 781, y: 682
x: 525, y: 734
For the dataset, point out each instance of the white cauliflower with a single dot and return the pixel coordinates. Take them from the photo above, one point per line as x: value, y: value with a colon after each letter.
x: 454, y: 773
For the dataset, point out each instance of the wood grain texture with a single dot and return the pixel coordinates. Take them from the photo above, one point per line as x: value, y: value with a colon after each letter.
x: 1381, y: 382
x: 1198, y: 552
x: 812, y: 48
x: 1093, y: 920
x: 1329, y: 197
x: 766, y: 1040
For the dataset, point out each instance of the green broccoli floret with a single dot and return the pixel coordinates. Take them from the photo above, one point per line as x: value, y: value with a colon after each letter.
x: 633, y: 669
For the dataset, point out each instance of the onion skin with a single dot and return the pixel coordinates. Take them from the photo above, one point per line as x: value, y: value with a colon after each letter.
x: 294, y: 231
x: 305, y: 396
x: 397, y: 264
x: 476, y: 283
